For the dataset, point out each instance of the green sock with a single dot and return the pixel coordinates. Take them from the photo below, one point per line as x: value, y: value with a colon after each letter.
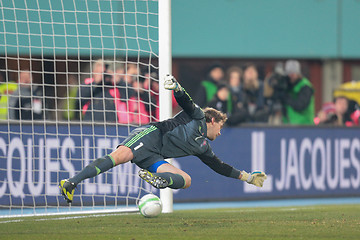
x: 98, y: 166
x: 175, y: 181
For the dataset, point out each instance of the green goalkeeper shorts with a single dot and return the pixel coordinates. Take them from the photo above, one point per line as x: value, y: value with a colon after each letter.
x: 145, y: 144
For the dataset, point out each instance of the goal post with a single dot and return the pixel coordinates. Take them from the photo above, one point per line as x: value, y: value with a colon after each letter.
x: 165, y: 67
x: 75, y: 78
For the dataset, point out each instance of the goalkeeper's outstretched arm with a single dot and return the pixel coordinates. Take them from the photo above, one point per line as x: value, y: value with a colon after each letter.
x: 256, y: 178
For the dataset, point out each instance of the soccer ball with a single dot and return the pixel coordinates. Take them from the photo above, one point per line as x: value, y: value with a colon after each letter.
x: 150, y: 206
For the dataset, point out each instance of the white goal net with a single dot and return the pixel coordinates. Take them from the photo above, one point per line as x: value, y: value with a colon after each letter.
x: 76, y: 76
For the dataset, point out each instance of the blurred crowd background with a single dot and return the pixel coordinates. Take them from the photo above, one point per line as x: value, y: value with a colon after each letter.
x: 259, y: 62
x: 125, y: 92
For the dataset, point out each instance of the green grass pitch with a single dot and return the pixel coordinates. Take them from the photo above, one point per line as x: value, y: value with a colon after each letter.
x: 311, y: 222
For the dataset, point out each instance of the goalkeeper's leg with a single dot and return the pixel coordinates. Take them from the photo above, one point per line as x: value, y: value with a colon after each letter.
x: 166, y: 176
x: 121, y: 155
x: 169, y: 170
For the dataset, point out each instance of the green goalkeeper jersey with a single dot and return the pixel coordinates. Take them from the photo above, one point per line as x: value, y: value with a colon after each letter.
x: 185, y: 135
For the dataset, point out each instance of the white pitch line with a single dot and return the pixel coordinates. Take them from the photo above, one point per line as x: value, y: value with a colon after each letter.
x: 11, y: 221
x: 85, y: 216
x: 78, y: 212
x: 71, y: 217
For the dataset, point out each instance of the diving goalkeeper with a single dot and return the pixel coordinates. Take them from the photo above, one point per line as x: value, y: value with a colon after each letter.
x: 185, y: 134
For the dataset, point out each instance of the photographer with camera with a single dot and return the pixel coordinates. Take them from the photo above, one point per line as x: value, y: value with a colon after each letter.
x: 299, y: 101
x: 290, y: 95
x: 275, y: 88
x: 99, y: 98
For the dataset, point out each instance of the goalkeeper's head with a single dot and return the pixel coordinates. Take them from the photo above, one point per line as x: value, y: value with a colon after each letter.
x: 215, y: 121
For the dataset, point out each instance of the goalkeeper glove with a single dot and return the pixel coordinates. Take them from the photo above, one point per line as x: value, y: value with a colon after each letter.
x: 256, y: 178
x: 170, y: 83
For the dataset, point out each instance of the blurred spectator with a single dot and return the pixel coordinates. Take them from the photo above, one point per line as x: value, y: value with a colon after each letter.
x: 275, y: 88
x: 151, y: 85
x: 222, y: 103
x: 347, y: 112
x: 27, y: 102
x: 253, y: 101
x: 299, y: 101
x: 6, y: 89
x: 99, y: 98
x: 71, y: 110
x: 355, y: 117
x: 209, y: 86
x: 141, y: 105
x: 124, y: 86
x: 343, y: 112
x: 119, y: 72
x: 234, y: 75
x: 220, y: 100
x: 151, y: 82
x: 327, y: 115
x: 131, y: 73
x: 354, y: 112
